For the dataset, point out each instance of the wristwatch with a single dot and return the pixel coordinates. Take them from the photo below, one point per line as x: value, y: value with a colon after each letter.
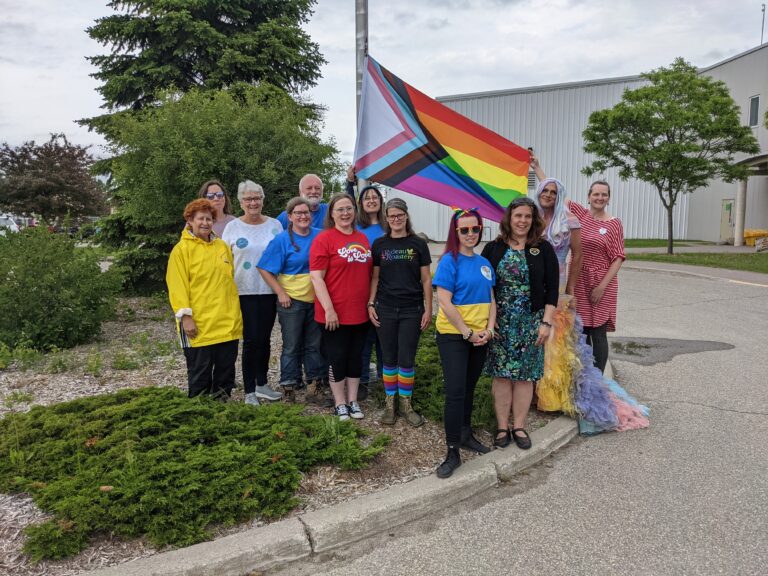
x: 371, y: 305
x: 469, y: 334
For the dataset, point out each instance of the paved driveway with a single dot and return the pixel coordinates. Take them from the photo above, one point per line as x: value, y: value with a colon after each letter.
x: 687, y: 496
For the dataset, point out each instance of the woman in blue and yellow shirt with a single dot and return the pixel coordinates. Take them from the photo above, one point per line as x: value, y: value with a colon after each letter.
x: 464, y: 282
x: 285, y: 267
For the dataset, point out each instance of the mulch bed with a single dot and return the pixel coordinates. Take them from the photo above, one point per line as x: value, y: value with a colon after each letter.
x: 412, y: 453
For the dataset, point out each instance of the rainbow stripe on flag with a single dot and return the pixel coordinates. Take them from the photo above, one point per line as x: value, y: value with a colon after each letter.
x: 407, y: 140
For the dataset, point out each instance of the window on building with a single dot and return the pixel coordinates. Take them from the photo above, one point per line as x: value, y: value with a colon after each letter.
x: 754, y: 104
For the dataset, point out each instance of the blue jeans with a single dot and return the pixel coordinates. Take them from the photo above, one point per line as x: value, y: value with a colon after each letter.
x: 301, y: 343
x: 371, y: 340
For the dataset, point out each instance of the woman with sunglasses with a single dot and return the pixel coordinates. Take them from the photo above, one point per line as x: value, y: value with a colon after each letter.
x: 400, y: 307
x: 248, y: 237
x: 563, y: 231
x: 213, y: 191
x: 464, y: 327
x: 526, y: 292
x: 340, y: 269
x: 600, y: 403
x: 370, y: 221
x: 285, y: 267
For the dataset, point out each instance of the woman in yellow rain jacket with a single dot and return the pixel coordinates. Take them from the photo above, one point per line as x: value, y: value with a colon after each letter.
x: 203, y: 294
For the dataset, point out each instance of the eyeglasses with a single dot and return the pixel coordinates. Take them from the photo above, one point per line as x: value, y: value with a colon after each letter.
x: 396, y: 217
x: 344, y: 210
x: 303, y: 213
x: 252, y: 200
x: 464, y: 230
x: 212, y: 195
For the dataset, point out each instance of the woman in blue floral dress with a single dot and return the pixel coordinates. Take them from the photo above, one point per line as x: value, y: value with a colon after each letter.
x: 527, y: 281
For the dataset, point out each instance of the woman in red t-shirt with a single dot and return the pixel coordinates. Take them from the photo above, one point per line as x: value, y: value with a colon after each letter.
x: 340, y: 268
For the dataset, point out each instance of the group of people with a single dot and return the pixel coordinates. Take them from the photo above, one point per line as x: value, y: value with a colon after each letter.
x: 349, y: 275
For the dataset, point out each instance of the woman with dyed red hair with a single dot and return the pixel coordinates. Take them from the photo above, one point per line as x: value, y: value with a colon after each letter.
x: 203, y: 295
x: 465, y: 321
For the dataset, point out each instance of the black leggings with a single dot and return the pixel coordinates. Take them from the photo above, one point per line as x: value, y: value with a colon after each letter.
x: 462, y: 365
x: 259, y: 311
x: 343, y: 349
x: 597, y: 337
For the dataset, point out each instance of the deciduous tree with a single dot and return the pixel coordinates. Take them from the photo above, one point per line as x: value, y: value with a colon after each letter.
x: 164, y: 154
x: 51, y: 179
x: 678, y: 132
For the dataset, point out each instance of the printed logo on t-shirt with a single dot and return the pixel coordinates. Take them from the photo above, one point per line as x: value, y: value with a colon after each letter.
x: 397, y: 254
x: 486, y: 272
x: 355, y: 253
x: 241, y: 243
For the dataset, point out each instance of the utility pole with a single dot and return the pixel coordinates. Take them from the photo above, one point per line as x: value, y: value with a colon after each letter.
x: 361, y: 40
x: 762, y: 28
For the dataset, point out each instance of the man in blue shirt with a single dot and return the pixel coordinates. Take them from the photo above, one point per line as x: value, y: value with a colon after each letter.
x: 311, y: 188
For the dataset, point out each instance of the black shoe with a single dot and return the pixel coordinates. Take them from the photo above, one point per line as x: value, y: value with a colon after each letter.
x: 362, y: 391
x: 452, y: 461
x: 469, y: 442
x: 523, y: 442
x: 504, y: 441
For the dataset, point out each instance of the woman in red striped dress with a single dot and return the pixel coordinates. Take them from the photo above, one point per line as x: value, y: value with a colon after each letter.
x: 602, y: 241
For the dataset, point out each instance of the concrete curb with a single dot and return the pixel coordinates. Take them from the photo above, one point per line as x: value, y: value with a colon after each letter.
x: 340, y: 525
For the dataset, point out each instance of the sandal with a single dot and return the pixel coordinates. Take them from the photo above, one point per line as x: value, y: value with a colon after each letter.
x: 503, y: 441
x: 523, y: 442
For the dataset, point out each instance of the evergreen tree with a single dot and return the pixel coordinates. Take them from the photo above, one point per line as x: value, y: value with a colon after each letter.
x: 211, y: 44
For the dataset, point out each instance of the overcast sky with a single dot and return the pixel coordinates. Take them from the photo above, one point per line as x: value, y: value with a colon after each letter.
x: 441, y: 47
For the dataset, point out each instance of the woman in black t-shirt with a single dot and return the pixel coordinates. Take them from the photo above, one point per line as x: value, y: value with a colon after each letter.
x: 400, y: 306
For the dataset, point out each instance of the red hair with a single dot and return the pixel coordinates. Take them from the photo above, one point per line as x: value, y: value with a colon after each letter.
x: 452, y: 242
x: 199, y: 205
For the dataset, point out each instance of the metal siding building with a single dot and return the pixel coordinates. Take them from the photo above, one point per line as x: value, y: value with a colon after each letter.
x: 746, y: 76
x: 550, y: 119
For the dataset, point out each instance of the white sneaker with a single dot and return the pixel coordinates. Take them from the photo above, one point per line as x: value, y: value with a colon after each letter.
x: 355, y: 412
x: 251, y: 399
x: 266, y: 393
x: 342, y: 412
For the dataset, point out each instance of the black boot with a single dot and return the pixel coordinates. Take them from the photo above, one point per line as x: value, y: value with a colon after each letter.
x: 469, y: 442
x: 452, y: 461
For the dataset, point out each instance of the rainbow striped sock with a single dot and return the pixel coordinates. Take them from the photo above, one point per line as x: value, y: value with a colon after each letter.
x: 390, y: 380
x: 405, y: 382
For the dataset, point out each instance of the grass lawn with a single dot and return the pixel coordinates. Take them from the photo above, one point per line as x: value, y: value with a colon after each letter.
x: 746, y: 262
x: 658, y: 242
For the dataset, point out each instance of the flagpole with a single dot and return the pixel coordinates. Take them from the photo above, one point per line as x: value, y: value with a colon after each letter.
x: 361, y: 38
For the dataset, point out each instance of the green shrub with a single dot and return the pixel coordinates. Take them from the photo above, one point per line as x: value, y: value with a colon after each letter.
x: 93, y: 364
x: 51, y: 294
x: 428, y: 391
x: 153, y: 462
x: 6, y: 356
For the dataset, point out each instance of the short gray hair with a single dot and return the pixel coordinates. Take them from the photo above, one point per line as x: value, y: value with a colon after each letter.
x: 305, y: 177
x: 248, y: 186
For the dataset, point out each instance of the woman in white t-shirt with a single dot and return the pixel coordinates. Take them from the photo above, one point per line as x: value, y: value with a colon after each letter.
x: 248, y: 237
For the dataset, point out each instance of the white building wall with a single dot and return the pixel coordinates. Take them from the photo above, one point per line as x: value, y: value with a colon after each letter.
x: 551, y: 119
x: 746, y: 75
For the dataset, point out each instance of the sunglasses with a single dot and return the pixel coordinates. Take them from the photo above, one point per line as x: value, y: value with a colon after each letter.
x: 464, y: 230
x: 212, y: 195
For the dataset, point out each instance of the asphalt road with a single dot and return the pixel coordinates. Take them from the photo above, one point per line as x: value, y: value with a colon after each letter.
x: 687, y: 496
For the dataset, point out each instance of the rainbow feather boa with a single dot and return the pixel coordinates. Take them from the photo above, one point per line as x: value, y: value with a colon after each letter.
x: 571, y: 383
